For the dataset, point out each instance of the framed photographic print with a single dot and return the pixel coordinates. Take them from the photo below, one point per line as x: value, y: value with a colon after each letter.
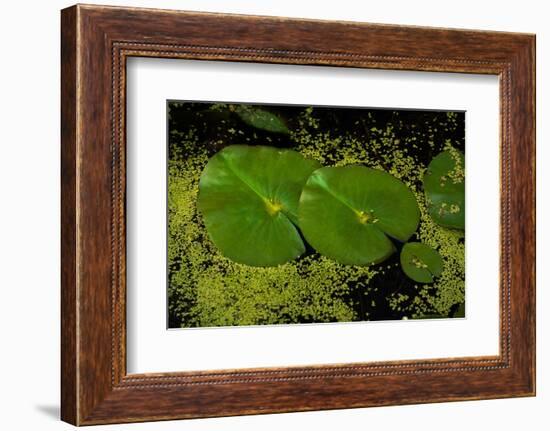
x: 265, y: 215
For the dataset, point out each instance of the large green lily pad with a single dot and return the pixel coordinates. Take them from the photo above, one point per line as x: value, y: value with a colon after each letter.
x: 347, y: 213
x: 445, y: 191
x: 421, y: 262
x: 261, y: 119
x: 248, y: 197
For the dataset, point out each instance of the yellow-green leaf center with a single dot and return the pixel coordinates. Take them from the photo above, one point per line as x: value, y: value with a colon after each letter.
x: 273, y: 207
x: 366, y: 217
x: 418, y: 263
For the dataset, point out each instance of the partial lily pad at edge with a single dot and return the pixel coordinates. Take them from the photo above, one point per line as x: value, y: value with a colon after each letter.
x: 261, y: 119
x: 248, y: 198
x: 348, y: 213
x: 461, y: 310
x: 445, y: 189
x: 420, y: 262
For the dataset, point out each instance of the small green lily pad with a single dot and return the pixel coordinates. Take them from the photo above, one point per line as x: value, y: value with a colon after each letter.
x: 461, y: 310
x: 444, y: 188
x: 420, y: 262
x: 248, y: 197
x: 261, y: 119
x: 347, y: 213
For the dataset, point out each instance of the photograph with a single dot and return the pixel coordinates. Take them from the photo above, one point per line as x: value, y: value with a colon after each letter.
x: 294, y: 214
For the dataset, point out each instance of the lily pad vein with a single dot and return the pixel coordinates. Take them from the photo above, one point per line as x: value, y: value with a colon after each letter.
x: 343, y: 201
x: 251, y: 187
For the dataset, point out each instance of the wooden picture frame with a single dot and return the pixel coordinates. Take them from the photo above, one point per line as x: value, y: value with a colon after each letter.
x: 95, y: 43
